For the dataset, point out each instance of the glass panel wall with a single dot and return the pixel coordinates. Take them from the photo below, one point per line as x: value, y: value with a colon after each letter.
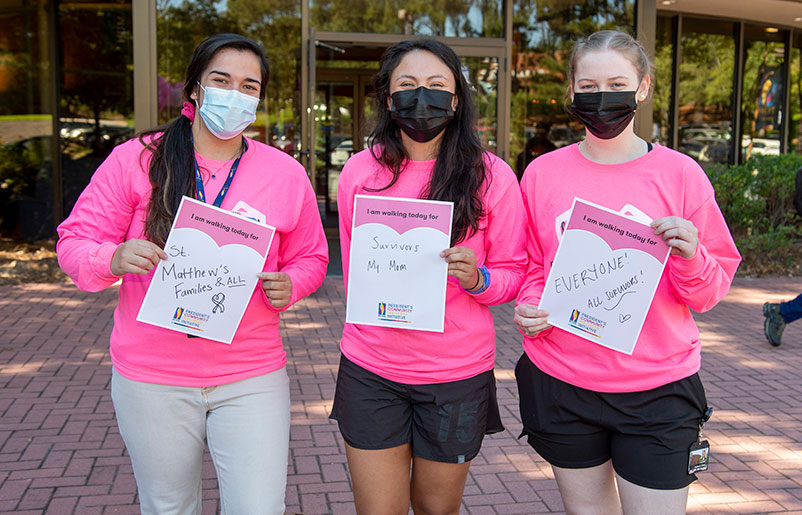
x: 543, y: 36
x: 182, y: 25
x: 482, y: 75
x: 26, y: 121
x: 450, y: 18
x: 795, y: 121
x: 664, y: 74
x: 96, y: 87
x: 705, y: 90
x: 762, y: 100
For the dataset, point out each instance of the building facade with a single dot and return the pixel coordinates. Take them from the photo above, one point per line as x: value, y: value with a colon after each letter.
x: 77, y: 78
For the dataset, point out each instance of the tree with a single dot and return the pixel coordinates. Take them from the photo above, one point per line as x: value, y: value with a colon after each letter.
x: 98, y: 72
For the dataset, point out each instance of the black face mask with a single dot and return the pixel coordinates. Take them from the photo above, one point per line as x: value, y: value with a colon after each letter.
x: 422, y: 113
x: 605, y: 113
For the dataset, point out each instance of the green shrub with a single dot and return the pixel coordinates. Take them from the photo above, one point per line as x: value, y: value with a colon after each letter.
x: 764, y: 243
x: 756, y: 197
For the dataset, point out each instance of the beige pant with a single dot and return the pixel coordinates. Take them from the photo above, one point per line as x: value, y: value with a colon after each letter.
x: 246, y: 425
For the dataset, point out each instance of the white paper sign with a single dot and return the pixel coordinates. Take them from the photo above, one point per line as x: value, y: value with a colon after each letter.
x: 604, y: 276
x: 208, y: 280
x: 396, y: 277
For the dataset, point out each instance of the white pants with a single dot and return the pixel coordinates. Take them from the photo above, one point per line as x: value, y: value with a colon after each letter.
x: 246, y: 425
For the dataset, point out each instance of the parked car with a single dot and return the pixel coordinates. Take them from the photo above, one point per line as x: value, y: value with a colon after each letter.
x: 765, y: 146
x: 342, y: 152
x: 562, y: 135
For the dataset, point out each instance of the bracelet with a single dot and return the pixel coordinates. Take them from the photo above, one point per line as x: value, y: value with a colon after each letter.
x: 486, y: 275
x: 478, y: 278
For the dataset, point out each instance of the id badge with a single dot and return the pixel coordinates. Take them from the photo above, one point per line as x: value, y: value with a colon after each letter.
x: 699, y: 458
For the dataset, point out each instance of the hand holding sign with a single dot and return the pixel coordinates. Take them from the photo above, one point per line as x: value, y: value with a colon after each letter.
x: 277, y: 287
x: 531, y: 320
x: 679, y: 234
x: 136, y: 257
x: 462, y: 265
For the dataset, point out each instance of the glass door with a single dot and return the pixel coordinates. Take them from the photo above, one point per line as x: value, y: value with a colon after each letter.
x: 27, y: 108
x: 342, y: 115
x: 335, y: 136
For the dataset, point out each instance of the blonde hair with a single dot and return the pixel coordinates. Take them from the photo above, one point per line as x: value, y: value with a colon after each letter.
x: 616, y: 40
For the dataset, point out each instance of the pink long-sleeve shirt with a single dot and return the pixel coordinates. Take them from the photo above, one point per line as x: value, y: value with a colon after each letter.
x: 112, y: 209
x: 467, y: 346
x: 661, y: 183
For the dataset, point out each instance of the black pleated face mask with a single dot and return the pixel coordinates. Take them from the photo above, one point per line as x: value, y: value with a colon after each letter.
x: 605, y: 113
x: 422, y: 113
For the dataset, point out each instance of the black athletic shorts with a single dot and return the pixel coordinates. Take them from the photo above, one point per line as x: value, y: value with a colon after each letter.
x: 647, y: 435
x: 443, y: 422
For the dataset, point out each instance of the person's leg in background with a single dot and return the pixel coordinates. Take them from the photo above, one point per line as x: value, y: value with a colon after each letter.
x: 792, y: 309
x: 777, y: 316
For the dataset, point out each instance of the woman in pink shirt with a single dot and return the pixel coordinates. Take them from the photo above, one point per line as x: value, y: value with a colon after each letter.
x: 418, y: 398
x: 172, y: 394
x: 604, y: 418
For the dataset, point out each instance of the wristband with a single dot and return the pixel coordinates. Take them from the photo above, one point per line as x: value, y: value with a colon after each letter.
x: 478, y: 278
x: 486, y: 275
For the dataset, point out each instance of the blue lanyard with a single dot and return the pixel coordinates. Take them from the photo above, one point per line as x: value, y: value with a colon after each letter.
x: 199, y: 193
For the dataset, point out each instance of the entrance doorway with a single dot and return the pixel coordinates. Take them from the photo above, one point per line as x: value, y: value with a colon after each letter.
x: 343, y: 111
x: 338, y: 99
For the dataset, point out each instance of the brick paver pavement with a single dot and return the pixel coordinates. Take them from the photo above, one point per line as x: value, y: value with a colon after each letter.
x: 61, y: 453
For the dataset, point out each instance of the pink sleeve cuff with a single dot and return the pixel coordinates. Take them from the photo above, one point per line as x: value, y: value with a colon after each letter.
x: 100, y: 260
x: 689, y: 267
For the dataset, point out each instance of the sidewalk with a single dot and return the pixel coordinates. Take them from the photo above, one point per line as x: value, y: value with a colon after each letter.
x: 61, y: 453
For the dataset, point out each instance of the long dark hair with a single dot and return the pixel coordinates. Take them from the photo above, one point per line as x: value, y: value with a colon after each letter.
x: 172, y: 164
x: 459, y: 171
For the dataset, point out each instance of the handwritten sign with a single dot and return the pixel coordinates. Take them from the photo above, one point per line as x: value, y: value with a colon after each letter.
x: 396, y: 277
x: 604, y: 276
x: 209, y: 277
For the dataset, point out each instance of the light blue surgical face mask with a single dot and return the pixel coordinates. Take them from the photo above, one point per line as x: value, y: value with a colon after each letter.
x: 227, y: 112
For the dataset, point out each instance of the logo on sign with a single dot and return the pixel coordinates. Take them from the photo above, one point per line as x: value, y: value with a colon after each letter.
x: 188, y: 318
x: 395, y: 312
x: 586, y: 323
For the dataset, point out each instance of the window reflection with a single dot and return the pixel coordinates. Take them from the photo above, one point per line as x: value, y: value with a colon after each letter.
x: 543, y: 36
x: 336, y: 130
x: 26, y: 123
x: 705, y: 90
x: 795, y: 121
x: 761, y: 107
x: 451, y: 18
x: 664, y: 64
x: 96, y: 87
x: 482, y: 75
